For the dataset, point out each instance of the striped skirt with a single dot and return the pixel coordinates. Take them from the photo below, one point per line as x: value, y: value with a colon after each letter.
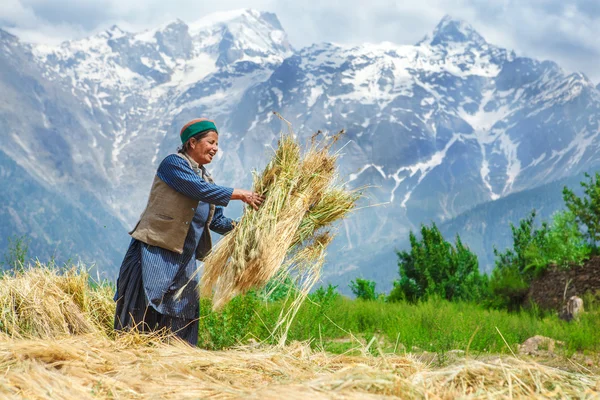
x: 133, y: 310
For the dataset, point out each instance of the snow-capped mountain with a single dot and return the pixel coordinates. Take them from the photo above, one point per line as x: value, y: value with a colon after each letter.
x: 138, y: 88
x: 433, y: 129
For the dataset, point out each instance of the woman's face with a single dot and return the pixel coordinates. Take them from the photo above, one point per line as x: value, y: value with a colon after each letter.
x: 202, y: 151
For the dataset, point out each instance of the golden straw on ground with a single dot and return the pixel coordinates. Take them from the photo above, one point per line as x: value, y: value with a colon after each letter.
x: 69, y: 355
x: 93, y: 367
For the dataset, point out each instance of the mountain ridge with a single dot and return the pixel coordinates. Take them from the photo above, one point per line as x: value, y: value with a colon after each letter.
x: 433, y: 128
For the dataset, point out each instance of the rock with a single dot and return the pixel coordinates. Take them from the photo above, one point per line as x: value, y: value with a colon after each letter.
x: 572, y: 310
x: 538, y: 345
x: 589, y: 362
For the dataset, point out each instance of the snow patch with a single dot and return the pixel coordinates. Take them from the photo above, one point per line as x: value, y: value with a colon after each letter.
x: 279, y: 95
x: 194, y: 70
x: 513, y: 167
x: 315, y: 93
x: 379, y: 169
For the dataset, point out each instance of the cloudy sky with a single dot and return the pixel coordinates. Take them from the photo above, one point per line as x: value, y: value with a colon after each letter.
x: 560, y: 30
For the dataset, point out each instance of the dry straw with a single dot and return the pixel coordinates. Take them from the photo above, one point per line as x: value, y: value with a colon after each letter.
x: 288, y: 235
x: 56, y: 344
x: 41, y: 302
x: 94, y: 367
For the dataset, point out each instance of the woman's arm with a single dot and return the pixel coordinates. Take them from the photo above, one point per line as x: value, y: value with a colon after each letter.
x: 248, y: 197
x: 178, y: 174
x: 220, y: 223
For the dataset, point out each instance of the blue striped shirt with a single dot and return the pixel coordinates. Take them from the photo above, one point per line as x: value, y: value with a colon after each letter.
x: 168, y: 277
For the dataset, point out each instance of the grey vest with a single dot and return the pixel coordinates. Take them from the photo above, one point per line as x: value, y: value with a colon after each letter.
x: 166, y: 220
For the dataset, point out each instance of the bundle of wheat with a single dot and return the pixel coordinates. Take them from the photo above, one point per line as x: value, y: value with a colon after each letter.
x: 41, y: 302
x: 287, y: 233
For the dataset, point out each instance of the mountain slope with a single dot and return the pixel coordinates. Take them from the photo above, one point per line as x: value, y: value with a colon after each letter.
x: 433, y: 129
x: 54, y: 228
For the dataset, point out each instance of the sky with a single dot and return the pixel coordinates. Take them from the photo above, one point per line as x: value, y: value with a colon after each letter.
x: 560, y: 30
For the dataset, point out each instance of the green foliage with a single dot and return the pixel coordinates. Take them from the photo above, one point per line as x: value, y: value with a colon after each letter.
x: 340, y: 324
x: 562, y: 245
x: 523, y: 236
x: 16, y: 254
x: 434, y: 267
x: 586, y: 209
x: 363, y: 289
x: 229, y: 327
x: 278, y: 289
x: 511, y: 277
x: 508, y: 287
x: 324, y: 296
x: 534, y: 250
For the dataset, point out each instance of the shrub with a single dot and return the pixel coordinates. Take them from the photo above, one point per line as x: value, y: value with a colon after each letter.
x: 229, y: 327
x: 586, y: 209
x: 363, y: 289
x: 562, y: 245
x: 435, y: 267
x: 278, y: 289
x: 17, y: 253
x: 508, y: 287
x: 323, y: 296
x: 510, y: 279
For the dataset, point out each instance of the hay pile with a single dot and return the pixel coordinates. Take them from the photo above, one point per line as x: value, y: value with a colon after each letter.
x: 40, y: 302
x: 287, y: 236
x: 92, y: 367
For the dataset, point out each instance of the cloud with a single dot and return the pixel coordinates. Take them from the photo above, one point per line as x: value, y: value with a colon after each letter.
x: 15, y: 14
x: 563, y: 31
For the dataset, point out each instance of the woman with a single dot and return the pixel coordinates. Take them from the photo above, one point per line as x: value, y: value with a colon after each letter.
x: 157, y: 282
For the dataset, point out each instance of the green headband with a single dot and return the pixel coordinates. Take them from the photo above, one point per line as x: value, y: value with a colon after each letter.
x: 197, y: 128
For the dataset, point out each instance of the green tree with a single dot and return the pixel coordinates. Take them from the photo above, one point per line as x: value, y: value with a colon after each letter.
x: 510, y: 279
x: 436, y: 267
x: 563, y: 245
x: 587, y: 208
x: 327, y: 295
x: 363, y: 289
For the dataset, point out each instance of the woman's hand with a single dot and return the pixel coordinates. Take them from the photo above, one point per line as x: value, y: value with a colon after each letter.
x: 248, y: 197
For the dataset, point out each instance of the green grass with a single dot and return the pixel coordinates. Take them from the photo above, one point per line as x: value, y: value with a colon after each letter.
x: 435, y: 326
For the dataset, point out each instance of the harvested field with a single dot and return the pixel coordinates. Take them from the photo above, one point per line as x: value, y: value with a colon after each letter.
x: 56, y: 345
x: 133, y: 367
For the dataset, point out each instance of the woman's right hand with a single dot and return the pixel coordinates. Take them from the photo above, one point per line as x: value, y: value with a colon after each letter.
x: 248, y: 197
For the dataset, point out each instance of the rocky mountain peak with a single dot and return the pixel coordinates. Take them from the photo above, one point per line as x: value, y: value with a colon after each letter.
x: 451, y: 30
x: 114, y: 32
x: 175, y: 40
x: 242, y: 35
